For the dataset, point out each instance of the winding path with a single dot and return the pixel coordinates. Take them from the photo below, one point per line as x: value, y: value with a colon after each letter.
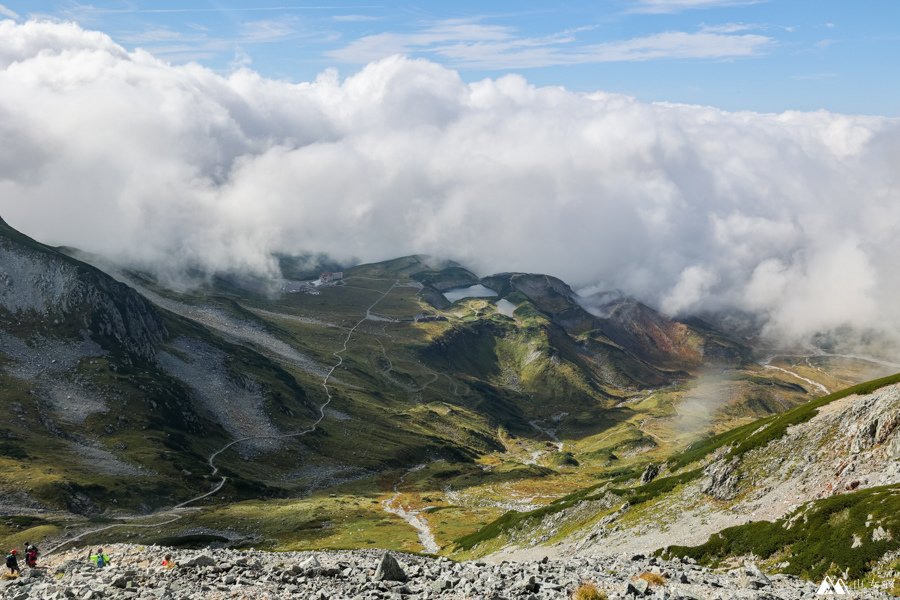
x: 339, y: 354
x: 767, y: 365
x: 550, y: 433
x: 83, y: 534
x: 871, y: 359
x: 176, y: 512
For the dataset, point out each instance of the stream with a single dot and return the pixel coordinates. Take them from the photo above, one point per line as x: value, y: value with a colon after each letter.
x: 413, y: 517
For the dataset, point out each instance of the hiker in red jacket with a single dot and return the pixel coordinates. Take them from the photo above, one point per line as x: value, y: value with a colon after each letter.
x: 31, y: 554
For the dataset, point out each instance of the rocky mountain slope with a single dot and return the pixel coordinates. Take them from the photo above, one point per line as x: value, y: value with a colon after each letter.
x: 811, y: 491
x: 136, y: 572
x: 111, y: 395
x: 44, y: 292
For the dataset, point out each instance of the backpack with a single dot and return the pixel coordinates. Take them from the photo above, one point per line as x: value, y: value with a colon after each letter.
x: 11, y: 560
x: 101, y: 562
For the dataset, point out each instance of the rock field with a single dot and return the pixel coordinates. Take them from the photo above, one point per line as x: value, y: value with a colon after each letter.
x: 137, y: 572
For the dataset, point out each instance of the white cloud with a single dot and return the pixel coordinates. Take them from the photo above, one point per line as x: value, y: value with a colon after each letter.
x: 792, y: 217
x: 8, y: 13
x: 196, y: 43
x: 729, y: 28
x: 268, y: 30
x: 381, y: 45
x: 543, y: 53
x: 678, y: 44
x: 691, y: 289
x: 155, y: 35
x: 673, y: 6
x: 354, y: 18
x: 241, y: 60
x: 467, y: 44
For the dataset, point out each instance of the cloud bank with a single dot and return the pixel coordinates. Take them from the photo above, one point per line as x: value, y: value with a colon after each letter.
x: 793, y: 217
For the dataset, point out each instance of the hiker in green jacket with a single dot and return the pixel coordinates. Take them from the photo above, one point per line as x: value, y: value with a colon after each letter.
x: 99, y: 559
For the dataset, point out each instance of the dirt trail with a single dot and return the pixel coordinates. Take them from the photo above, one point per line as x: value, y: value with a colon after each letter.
x: 862, y: 357
x: 339, y: 354
x: 410, y: 389
x: 815, y: 384
x: 550, y: 433
x: 176, y: 512
x: 870, y: 359
x: 413, y: 517
x: 174, y: 516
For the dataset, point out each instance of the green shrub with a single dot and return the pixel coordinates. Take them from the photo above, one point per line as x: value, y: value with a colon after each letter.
x: 817, y: 538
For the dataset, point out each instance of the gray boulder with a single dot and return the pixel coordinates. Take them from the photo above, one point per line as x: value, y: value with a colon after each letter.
x: 637, y: 587
x: 756, y: 574
x: 203, y: 560
x: 310, y: 567
x: 389, y: 569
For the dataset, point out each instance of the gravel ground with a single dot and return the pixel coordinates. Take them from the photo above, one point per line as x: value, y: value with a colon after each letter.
x: 41, y: 356
x: 103, y: 461
x: 137, y: 572
x: 48, y: 364
x: 244, y: 331
x: 237, y: 407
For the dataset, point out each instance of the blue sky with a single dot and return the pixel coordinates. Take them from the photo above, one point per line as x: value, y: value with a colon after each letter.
x: 759, y: 55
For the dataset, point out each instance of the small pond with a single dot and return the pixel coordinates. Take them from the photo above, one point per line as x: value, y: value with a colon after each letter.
x: 505, y: 307
x: 473, y: 291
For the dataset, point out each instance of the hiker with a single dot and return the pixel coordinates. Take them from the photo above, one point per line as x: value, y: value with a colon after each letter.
x: 168, y: 562
x: 99, y: 559
x: 12, y: 562
x: 31, y: 554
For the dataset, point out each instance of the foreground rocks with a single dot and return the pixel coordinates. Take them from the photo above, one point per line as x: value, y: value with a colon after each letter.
x: 137, y: 572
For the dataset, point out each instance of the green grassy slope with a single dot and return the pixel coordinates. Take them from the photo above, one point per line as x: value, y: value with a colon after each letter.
x: 817, y: 538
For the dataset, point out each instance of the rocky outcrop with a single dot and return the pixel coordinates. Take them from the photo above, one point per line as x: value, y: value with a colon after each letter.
x: 137, y: 572
x: 722, y: 479
x: 870, y: 430
x: 63, y: 296
x: 851, y: 444
x: 650, y: 473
